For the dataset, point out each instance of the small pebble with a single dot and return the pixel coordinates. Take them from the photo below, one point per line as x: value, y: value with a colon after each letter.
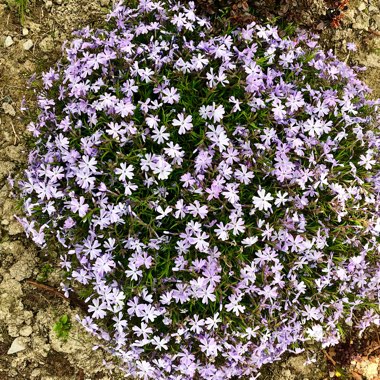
x: 8, y: 41
x: 47, y: 44
x: 376, y: 18
x: 25, y: 31
x: 26, y: 331
x: 362, y: 6
x: 16, y: 346
x: 8, y: 109
x: 28, y: 45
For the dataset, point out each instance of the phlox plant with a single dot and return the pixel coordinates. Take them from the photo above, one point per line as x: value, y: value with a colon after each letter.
x: 217, y: 193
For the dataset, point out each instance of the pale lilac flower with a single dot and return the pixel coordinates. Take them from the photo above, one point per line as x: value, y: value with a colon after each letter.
x: 197, y: 324
x: 184, y: 123
x: 196, y: 209
x: 133, y: 272
x: 159, y: 135
x: 217, y: 113
x: 97, y: 308
x: 212, y: 323
x: 367, y: 160
x: 163, y: 213
x: 209, y: 346
x: 162, y: 168
x: 124, y: 171
x: 160, y: 344
x: 79, y: 206
x: 222, y: 231
x: 170, y: 95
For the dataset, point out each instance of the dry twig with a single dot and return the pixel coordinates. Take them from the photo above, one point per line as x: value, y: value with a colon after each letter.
x: 329, y: 357
x: 73, y: 299
x: 16, y: 135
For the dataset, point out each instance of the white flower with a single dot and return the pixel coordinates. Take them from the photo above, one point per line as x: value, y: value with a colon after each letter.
x: 133, y: 272
x: 200, y: 241
x: 197, y: 324
x: 145, y: 370
x: 316, y: 333
x: 160, y: 343
x: 218, y: 136
x: 262, y: 202
x: 162, y: 168
x: 222, y: 232
x: 198, y: 62
x: 281, y: 199
x: 170, y: 95
x: 163, y: 212
x: 217, y: 113
x: 152, y: 121
x: 124, y: 171
x: 243, y: 175
x: 234, y: 305
x: 236, y: 103
x: 181, y: 209
x: 236, y: 225
x: 212, y: 323
x: 159, y: 135
x: 249, y: 241
x: 367, y: 161
x: 184, y: 124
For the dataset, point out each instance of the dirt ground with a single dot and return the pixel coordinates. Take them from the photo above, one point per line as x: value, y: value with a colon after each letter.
x: 29, y: 348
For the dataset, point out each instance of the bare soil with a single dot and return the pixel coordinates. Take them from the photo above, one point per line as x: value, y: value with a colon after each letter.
x: 29, y: 312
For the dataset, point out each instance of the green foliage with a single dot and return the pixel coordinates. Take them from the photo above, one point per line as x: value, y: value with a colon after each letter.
x: 44, y: 273
x: 62, y: 327
x: 21, y: 6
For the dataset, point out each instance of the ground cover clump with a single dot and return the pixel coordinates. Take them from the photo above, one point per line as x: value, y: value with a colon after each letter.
x: 214, y: 194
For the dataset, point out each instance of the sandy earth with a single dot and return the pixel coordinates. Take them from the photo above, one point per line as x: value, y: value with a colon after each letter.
x: 29, y: 348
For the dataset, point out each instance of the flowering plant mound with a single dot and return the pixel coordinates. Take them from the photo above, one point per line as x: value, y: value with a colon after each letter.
x: 217, y: 193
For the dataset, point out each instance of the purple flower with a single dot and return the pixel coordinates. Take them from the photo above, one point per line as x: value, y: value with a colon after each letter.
x: 351, y: 46
x: 201, y: 183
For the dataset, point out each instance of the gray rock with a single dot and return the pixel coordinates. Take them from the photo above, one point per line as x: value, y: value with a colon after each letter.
x: 25, y: 31
x: 15, y: 228
x: 8, y: 109
x: 26, y: 331
x: 8, y: 41
x: 47, y: 44
x: 362, y: 22
x: 362, y: 6
x: 27, y: 45
x: 17, y: 345
x: 23, y: 268
x: 6, y: 168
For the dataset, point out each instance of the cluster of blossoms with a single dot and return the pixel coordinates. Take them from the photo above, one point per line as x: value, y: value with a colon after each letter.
x: 217, y: 193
